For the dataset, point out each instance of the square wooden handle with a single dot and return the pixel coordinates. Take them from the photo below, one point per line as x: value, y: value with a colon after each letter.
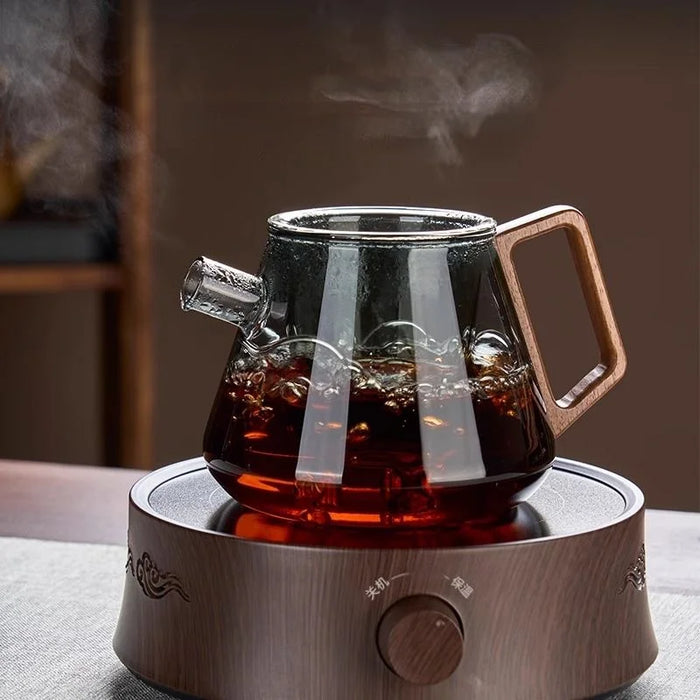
x: 562, y: 412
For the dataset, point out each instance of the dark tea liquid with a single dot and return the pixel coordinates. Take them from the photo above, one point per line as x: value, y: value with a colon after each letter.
x: 396, y: 420
x: 522, y: 522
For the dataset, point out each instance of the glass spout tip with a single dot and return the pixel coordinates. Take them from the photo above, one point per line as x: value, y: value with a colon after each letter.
x: 192, y: 284
x: 224, y: 293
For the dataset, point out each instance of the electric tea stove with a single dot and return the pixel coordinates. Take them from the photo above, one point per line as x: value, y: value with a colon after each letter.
x: 211, y: 611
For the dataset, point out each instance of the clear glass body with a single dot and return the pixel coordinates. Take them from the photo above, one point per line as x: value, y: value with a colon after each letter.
x: 383, y: 381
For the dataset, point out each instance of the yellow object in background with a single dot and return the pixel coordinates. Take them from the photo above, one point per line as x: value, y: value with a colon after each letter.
x: 17, y: 171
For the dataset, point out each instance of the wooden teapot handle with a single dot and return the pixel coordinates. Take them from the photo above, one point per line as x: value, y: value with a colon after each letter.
x: 561, y: 413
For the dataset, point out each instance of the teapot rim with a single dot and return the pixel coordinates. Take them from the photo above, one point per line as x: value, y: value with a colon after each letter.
x: 442, y: 224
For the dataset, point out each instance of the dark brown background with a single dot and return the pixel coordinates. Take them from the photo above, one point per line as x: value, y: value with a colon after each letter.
x: 241, y: 134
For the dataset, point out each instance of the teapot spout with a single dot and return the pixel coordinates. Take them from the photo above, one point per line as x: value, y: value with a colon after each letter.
x: 225, y: 293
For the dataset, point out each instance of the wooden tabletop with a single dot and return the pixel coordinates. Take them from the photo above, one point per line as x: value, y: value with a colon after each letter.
x: 89, y: 504
x: 65, y: 502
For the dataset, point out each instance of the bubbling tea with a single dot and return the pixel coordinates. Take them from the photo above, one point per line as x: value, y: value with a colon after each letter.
x: 416, y: 443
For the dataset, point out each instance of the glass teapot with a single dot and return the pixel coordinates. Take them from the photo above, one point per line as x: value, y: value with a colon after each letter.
x: 385, y: 372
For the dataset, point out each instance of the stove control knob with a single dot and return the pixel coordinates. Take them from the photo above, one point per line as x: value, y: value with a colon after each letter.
x: 420, y: 639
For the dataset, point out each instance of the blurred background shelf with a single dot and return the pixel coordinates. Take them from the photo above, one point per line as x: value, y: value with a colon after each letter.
x: 58, y: 231
x: 102, y: 245
x: 59, y: 277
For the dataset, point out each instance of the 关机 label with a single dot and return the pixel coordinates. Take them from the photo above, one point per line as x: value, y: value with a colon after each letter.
x: 379, y: 585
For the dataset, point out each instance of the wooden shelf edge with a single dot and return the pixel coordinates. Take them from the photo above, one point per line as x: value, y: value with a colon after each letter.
x: 59, y: 277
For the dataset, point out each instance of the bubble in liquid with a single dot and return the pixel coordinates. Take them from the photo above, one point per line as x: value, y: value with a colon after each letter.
x: 397, y: 348
x: 266, y: 413
x: 434, y: 422
x: 392, y: 406
x: 424, y: 389
x: 258, y: 418
x: 360, y: 432
x: 294, y: 393
x: 373, y: 383
x: 256, y: 379
x: 490, y: 351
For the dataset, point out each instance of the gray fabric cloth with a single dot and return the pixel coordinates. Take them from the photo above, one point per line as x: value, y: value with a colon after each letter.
x: 59, y: 604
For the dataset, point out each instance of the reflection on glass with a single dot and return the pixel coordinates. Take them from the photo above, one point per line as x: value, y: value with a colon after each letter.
x: 323, y: 433
x: 448, y: 432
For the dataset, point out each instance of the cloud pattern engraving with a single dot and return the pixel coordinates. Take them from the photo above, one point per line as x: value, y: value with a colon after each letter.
x: 154, y: 583
x: 637, y: 573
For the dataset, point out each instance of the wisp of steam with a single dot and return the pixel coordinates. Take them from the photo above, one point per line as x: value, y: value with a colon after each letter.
x: 51, y: 72
x: 418, y: 91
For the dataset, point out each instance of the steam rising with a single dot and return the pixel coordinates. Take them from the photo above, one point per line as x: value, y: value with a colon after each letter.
x: 51, y: 73
x: 437, y: 93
